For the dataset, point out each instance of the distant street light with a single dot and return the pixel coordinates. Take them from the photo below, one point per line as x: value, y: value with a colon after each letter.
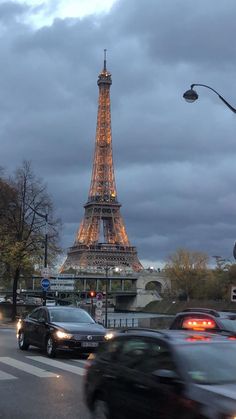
x: 191, y: 95
x: 106, y: 296
x: 107, y: 268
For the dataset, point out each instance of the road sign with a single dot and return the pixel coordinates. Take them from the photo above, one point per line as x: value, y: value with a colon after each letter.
x: 98, y: 312
x: 45, y: 284
x: 62, y: 284
x: 45, y: 272
x: 99, y: 304
x: 99, y: 295
x: 233, y: 294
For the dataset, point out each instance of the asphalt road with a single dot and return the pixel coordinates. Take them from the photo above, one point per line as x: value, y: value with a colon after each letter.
x: 32, y: 386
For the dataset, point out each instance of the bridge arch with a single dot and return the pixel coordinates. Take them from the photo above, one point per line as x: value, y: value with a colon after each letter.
x: 152, y: 281
x: 154, y: 286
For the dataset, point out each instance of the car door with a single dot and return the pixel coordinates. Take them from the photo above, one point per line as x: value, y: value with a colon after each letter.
x: 41, y: 327
x: 164, y: 394
x: 129, y: 389
x: 30, y: 326
x: 138, y: 391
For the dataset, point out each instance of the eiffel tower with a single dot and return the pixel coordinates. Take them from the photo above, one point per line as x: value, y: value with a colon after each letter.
x: 102, y: 239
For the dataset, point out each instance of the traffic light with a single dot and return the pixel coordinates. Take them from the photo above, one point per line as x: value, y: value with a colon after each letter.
x: 92, y: 294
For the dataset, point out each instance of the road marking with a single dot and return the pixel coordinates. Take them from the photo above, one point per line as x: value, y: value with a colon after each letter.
x: 5, y: 376
x: 81, y: 361
x: 39, y: 372
x: 58, y: 364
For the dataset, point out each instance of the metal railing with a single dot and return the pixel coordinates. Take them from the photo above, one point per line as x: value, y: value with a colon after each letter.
x: 117, y: 323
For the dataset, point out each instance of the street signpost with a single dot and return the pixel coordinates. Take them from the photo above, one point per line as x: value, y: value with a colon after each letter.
x: 61, y: 284
x: 45, y: 284
x: 233, y: 294
x: 45, y: 272
x: 99, y: 304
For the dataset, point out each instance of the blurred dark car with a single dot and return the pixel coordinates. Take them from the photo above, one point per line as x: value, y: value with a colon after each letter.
x: 60, y: 328
x: 200, y: 319
x: 148, y: 374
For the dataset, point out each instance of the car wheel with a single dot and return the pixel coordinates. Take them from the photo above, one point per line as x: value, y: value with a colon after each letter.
x: 50, y: 347
x: 100, y: 410
x: 22, y: 342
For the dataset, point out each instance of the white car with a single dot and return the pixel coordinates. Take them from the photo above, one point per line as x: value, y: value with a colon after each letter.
x: 50, y: 303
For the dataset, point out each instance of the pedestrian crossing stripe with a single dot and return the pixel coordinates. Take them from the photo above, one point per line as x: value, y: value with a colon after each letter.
x: 6, y: 376
x: 23, y: 366
x: 58, y: 364
x: 39, y: 372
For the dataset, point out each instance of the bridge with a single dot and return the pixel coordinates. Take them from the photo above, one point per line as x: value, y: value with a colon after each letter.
x: 126, y: 291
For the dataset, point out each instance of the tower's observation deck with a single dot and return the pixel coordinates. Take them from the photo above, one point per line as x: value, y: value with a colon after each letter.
x: 102, y: 238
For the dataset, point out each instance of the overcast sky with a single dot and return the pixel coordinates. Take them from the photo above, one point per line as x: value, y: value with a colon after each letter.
x: 174, y: 162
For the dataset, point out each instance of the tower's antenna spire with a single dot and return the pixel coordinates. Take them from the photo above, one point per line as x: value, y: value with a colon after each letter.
x: 105, y: 59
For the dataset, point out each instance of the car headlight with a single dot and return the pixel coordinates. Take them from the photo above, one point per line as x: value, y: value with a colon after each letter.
x: 109, y: 336
x: 18, y: 326
x: 63, y: 335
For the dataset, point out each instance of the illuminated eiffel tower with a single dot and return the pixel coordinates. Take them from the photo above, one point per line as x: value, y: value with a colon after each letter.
x: 102, y: 239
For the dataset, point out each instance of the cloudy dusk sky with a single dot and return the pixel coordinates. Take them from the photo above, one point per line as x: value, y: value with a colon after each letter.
x: 175, y: 163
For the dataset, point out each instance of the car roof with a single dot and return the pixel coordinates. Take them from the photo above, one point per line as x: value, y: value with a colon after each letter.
x: 176, y: 336
x: 227, y: 314
x: 63, y: 308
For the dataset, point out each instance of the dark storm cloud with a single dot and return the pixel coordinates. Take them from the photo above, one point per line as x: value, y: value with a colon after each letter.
x: 174, y: 162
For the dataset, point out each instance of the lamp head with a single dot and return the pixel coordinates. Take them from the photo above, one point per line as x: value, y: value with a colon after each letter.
x: 190, y: 96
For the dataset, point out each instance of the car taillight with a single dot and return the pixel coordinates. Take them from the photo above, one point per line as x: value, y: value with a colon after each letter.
x: 198, y: 324
x: 195, y: 338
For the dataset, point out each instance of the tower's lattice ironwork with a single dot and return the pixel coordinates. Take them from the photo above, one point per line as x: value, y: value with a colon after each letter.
x: 102, y: 239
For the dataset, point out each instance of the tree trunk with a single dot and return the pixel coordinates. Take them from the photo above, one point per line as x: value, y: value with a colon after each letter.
x: 14, y: 293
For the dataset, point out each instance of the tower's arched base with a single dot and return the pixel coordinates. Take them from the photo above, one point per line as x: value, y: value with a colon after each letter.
x: 101, y: 255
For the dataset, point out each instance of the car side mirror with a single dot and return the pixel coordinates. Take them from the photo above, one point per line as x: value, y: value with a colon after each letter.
x: 165, y: 376
x: 169, y: 377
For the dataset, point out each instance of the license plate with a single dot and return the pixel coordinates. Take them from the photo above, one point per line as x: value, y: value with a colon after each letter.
x: 89, y: 344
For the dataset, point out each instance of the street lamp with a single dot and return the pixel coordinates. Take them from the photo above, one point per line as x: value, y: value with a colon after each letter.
x: 116, y: 269
x: 106, y: 296
x: 45, y: 217
x: 191, y: 95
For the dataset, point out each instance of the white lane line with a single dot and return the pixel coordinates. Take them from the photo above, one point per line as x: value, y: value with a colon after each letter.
x: 81, y: 361
x: 5, y: 376
x: 39, y: 372
x: 58, y: 364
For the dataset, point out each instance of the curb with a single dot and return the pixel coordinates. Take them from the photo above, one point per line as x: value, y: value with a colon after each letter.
x: 7, y: 324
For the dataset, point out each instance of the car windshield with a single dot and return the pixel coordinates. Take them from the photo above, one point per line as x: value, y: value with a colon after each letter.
x: 65, y: 315
x: 210, y: 363
x: 229, y: 324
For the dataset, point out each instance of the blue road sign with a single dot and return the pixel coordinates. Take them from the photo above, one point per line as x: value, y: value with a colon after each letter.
x: 45, y: 284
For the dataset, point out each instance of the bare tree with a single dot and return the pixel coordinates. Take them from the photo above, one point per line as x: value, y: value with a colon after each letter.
x: 186, y: 269
x: 24, y: 243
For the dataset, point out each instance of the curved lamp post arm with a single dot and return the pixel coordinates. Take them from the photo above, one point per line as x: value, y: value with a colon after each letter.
x: 191, y: 95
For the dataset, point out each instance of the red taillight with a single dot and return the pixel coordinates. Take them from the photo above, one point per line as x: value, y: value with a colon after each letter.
x: 198, y: 324
x: 197, y: 338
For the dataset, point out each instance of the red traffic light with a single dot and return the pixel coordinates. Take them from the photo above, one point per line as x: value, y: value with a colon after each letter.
x: 92, y: 294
